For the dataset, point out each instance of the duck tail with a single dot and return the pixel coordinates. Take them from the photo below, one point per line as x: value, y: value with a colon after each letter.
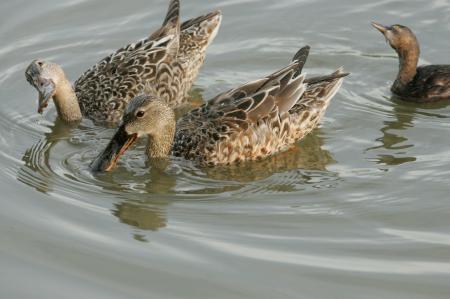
x: 332, y: 83
x: 300, y: 57
x: 338, y: 74
x: 173, y: 13
x: 171, y: 26
x: 322, y: 89
x: 204, y: 27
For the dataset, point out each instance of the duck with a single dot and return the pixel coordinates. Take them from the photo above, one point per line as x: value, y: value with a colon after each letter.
x: 429, y: 83
x: 170, y: 59
x: 251, y: 122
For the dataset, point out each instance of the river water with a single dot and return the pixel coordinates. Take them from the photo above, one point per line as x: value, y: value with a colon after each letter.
x: 358, y: 209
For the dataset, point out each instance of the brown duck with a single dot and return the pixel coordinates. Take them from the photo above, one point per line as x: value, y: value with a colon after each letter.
x: 169, y: 59
x: 417, y: 84
x: 251, y: 122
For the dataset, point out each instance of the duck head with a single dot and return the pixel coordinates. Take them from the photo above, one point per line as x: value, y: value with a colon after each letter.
x: 399, y: 37
x: 145, y: 116
x: 44, y: 76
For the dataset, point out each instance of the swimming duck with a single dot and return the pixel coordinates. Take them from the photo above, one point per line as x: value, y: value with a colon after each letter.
x: 251, y: 122
x: 170, y: 59
x: 418, y: 84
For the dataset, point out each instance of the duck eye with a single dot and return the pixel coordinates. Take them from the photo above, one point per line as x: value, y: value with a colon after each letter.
x: 140, y: 113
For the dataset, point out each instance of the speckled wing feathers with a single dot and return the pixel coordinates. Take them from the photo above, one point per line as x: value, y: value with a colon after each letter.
x: 257, y: 119
x: 242, y: 124
x: 170, y: 26
x: 196, y: 36
x: 105, y: 89
x: 168, y: 59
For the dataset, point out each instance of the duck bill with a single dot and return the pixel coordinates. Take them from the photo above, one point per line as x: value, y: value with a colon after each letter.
x: 118, y: 145
x: 383, y: 29
x: 46, y: 90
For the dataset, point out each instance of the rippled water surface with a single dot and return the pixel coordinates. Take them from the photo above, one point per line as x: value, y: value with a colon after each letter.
x: 358, y: 209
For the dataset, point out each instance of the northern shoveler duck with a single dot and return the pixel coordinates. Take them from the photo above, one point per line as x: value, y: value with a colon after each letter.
x: 251, y: 122
x: 417, y: 84
x: 169, y: 59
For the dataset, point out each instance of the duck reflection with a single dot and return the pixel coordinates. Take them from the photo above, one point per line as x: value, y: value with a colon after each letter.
x: 195, y: 100
x: 147, y: 197
x: 393, y: 140
x: 144, y: 194
x: 144, y: 197
x: 36, y: 171
x: 142, y: 215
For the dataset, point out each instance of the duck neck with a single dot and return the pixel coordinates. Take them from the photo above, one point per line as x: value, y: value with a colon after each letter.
x: 159, y: 145
x: 408, y: 57
x: 66, y: 102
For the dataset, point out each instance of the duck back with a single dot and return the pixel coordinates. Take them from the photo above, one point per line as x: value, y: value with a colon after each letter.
x: 431, y: 83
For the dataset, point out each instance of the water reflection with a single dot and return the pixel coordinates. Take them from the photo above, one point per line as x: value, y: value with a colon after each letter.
x: 144, y: 215
x: 144, y: 197
x: 146, y: 193
x: 144, y: 190
x: 36, y: 171
x: 195, y: 100
x: 393, y: 140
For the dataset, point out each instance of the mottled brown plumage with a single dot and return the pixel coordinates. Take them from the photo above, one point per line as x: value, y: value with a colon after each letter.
x: 428, y: 83
x: 251, y: 122
x: 169, y: 60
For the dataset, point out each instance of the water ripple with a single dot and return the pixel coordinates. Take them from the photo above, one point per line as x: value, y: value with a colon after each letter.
x: 361, y: 202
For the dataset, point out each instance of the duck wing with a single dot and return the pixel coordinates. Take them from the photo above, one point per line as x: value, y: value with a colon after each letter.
x: 106, y: 88
x: 244, y: 123
x: 173, y: 13
x: 196, y: 35
x: 431, y: 83
x: 170, y: 26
